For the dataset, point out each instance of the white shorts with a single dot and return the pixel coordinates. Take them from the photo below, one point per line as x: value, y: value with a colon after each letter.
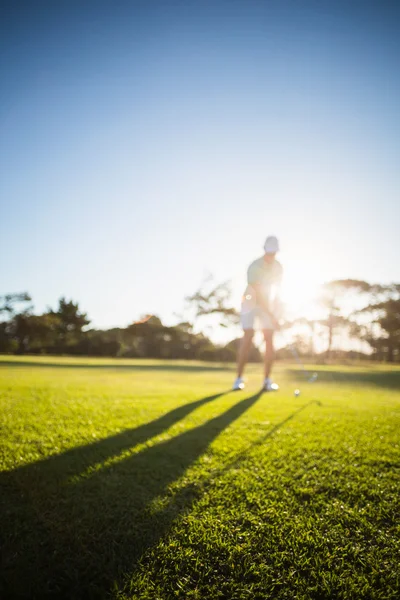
x: 248, y: 318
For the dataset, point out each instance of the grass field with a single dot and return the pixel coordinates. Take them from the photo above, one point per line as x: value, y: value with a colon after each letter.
x: 151, y: 480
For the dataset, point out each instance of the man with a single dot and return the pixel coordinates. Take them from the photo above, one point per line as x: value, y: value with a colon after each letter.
x: 260, y: 302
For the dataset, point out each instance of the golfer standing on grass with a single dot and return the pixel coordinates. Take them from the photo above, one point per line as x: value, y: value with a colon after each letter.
x: 260, y: 302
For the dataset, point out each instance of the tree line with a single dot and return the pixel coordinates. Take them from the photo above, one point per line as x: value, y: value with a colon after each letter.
x: 65, y: 331
x: 374, y: 319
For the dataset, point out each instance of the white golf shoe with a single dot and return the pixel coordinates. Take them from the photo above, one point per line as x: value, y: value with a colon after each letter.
x: 269, y: 385
x: 238, y: 384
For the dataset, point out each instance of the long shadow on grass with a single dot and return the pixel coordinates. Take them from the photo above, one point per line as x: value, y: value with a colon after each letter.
x: 386, y: 379
x: 79, y: 540
x: 62, y: 467
x: 172, y: 366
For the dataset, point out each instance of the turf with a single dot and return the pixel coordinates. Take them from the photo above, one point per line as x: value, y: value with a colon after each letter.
x: 151, y: 480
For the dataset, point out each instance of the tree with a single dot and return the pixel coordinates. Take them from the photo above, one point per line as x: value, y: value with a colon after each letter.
x: 7, y: 343
x: 10, y: 330
x: 97, y: 342
x: 383, y: 335
x: 332, y: 296
x: 305, y: 333
x: 8, y: 302
x: 151, y: 339
x: 34, y: 332
x: 233, y: 346
x: 70, y: 323
x: 214, y: 302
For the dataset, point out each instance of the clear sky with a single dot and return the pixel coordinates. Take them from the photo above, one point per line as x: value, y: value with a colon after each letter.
x: 146, y: 143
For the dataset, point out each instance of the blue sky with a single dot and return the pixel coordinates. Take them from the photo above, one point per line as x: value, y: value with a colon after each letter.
x: 144, y: 144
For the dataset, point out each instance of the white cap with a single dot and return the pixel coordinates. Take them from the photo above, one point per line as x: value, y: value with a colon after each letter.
x: 271, y: 245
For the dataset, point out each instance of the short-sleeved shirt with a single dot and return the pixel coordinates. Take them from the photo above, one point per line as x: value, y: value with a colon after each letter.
x: 268, y: 275
x: 260, y: 271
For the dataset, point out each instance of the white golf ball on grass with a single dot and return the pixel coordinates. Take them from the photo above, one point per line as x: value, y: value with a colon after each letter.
x: 297, y: 392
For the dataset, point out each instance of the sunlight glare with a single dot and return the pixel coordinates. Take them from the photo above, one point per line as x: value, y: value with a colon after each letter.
x: 300, y: 290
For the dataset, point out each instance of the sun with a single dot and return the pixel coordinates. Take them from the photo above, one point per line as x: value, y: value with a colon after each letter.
x: 300, y: 290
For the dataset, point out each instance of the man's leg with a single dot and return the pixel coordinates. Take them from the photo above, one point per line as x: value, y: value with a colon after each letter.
x: 244, y: 348
x: 269, y: 351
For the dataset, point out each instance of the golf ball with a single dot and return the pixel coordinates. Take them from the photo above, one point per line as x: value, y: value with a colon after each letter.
x: 297, y: 392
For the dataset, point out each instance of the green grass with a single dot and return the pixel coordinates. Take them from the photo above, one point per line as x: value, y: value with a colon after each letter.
x: 128, y: 479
